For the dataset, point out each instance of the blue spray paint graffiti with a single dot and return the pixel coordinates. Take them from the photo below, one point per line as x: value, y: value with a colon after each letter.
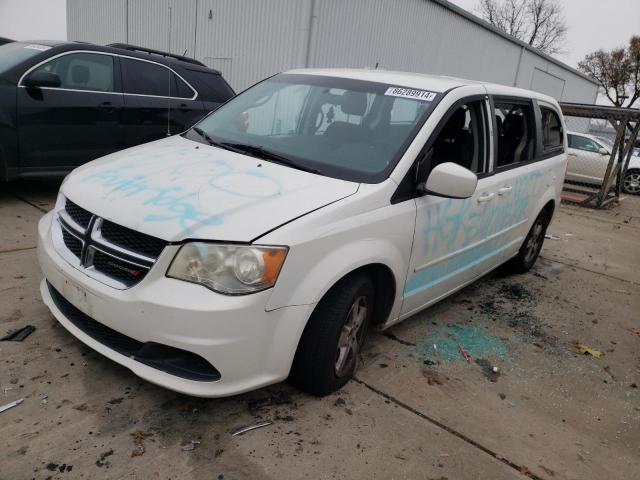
x: 174, y: 203
x: 455, y: 225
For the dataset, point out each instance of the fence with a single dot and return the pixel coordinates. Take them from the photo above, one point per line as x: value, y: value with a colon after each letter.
x: 603, y: 158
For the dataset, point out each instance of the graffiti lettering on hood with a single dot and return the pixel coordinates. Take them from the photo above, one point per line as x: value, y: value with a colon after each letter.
x: 170, y: 201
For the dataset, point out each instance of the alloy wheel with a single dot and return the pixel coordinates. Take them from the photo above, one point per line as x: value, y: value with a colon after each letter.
x: 351, y: 336
x: 632, y: 183
x: 535, y: 241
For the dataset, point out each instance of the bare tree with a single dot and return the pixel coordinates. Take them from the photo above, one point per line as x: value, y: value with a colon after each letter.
x: 617, y: 71
x: 539, y: 23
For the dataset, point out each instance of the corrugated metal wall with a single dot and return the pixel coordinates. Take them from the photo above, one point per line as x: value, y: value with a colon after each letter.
x: 167, y: 25
x: 576, y: 88
x: 412, y: 35
x: 251, y: 39
x: 97, y: 21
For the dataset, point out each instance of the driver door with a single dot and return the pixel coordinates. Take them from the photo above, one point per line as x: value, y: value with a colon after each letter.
x: 66, y: 126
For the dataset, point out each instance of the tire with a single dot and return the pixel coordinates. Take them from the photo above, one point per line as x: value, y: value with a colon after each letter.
x: 327, y: 354
x: 530, y: 249
x: 631, y: 182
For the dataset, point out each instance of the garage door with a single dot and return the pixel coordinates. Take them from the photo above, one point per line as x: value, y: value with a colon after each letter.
x: 546, y: 83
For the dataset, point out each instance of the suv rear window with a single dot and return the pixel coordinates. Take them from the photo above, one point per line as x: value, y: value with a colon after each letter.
x: 146, y: 78
x: 211, y: 86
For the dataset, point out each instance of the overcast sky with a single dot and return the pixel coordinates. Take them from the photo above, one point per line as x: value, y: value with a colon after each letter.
x: 592, y: 25
x: 33, y: 19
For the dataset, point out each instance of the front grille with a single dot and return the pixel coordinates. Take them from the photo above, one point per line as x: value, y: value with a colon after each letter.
x: 73, y: 244
x: 108, y: 252
x: 114, y: 267
x: 131, y: 240
x: 174, y: 361
x: 78, y: 214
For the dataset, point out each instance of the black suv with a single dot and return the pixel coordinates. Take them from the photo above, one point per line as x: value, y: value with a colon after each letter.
x: 64, y: 104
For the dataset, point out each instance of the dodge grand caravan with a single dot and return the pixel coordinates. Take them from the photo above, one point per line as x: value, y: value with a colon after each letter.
x: 264, y: 242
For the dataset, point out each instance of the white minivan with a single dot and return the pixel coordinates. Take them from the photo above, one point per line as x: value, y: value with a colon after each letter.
x: 265, y: 242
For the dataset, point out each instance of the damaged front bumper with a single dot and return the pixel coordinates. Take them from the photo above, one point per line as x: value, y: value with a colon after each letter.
x: 172, y: 333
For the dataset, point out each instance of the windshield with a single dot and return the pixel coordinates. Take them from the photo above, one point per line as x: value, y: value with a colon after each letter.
x: 12, y: 54
x: 606, y: 142
x: 343, y: 128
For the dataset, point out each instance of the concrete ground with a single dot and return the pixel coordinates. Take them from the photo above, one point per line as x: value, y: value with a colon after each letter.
x: 414, y: 411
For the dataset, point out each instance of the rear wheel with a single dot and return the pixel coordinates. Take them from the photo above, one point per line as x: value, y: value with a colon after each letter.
x: 631, y: 183
x: 328, y: 351
x: 531, y: 246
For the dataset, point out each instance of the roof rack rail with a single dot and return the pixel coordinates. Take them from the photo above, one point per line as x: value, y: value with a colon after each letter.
x: 135, y: 48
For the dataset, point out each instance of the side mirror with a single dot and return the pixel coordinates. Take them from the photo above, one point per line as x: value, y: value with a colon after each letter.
x: 603, y: 151
x: 42, y: 79
x: 450, y: 180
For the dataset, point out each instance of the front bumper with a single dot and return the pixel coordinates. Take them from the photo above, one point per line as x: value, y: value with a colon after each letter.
x: 249, y: 346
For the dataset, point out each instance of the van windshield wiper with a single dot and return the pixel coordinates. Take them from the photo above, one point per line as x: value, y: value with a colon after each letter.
x: 215, y: 143
x: 261, y: 152
x: 255, y: 151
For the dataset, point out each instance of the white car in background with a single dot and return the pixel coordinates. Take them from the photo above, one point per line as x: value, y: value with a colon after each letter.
x: 588, y: 158
x: 265, y: 241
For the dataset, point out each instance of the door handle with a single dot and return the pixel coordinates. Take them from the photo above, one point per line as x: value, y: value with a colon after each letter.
x: 486, y: 197
x: 184, y: 107
x: 573, y: 154
x: 106, y: 107
x: 504, y: 190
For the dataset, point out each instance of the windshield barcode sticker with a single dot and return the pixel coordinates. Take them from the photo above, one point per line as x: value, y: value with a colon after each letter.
x: 42, y: 48
x: 410, y: 93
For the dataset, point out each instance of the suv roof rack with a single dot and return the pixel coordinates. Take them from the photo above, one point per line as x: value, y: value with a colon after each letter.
x: 135, y: 48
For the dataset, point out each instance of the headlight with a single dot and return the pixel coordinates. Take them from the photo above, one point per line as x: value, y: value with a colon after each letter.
x: 228, y: 269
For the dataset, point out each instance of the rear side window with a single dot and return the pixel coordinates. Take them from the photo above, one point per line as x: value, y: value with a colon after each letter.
x: 82, y: 71
x: 144, y: 78
x: 551, y: 129
x: 514, y: 122
x: 182, y: 90
x: 211, y: 87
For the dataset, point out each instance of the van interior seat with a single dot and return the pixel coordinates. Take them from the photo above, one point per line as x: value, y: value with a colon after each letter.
x: 340, y: 132
x: 454, y: 143
x: 513, y: 139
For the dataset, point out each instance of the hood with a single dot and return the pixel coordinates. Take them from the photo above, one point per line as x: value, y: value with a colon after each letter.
x: 176, y: 189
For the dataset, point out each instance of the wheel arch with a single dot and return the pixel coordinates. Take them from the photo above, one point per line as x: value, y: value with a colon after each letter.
x: 384, y: 284
x: 550, y: 208
x: 309, y: 280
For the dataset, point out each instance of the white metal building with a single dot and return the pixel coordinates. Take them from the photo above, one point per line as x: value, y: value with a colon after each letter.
x: 249, y: 40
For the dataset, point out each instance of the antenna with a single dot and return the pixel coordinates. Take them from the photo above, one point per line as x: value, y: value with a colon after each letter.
x: 170, y: 77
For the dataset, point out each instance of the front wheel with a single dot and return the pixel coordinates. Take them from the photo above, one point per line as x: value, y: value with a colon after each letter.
x: 631, y: 183
x: 328, y: 351
x: 530, y: 249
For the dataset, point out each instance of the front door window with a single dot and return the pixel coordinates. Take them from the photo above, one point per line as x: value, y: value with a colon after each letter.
x: 82, y: 71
